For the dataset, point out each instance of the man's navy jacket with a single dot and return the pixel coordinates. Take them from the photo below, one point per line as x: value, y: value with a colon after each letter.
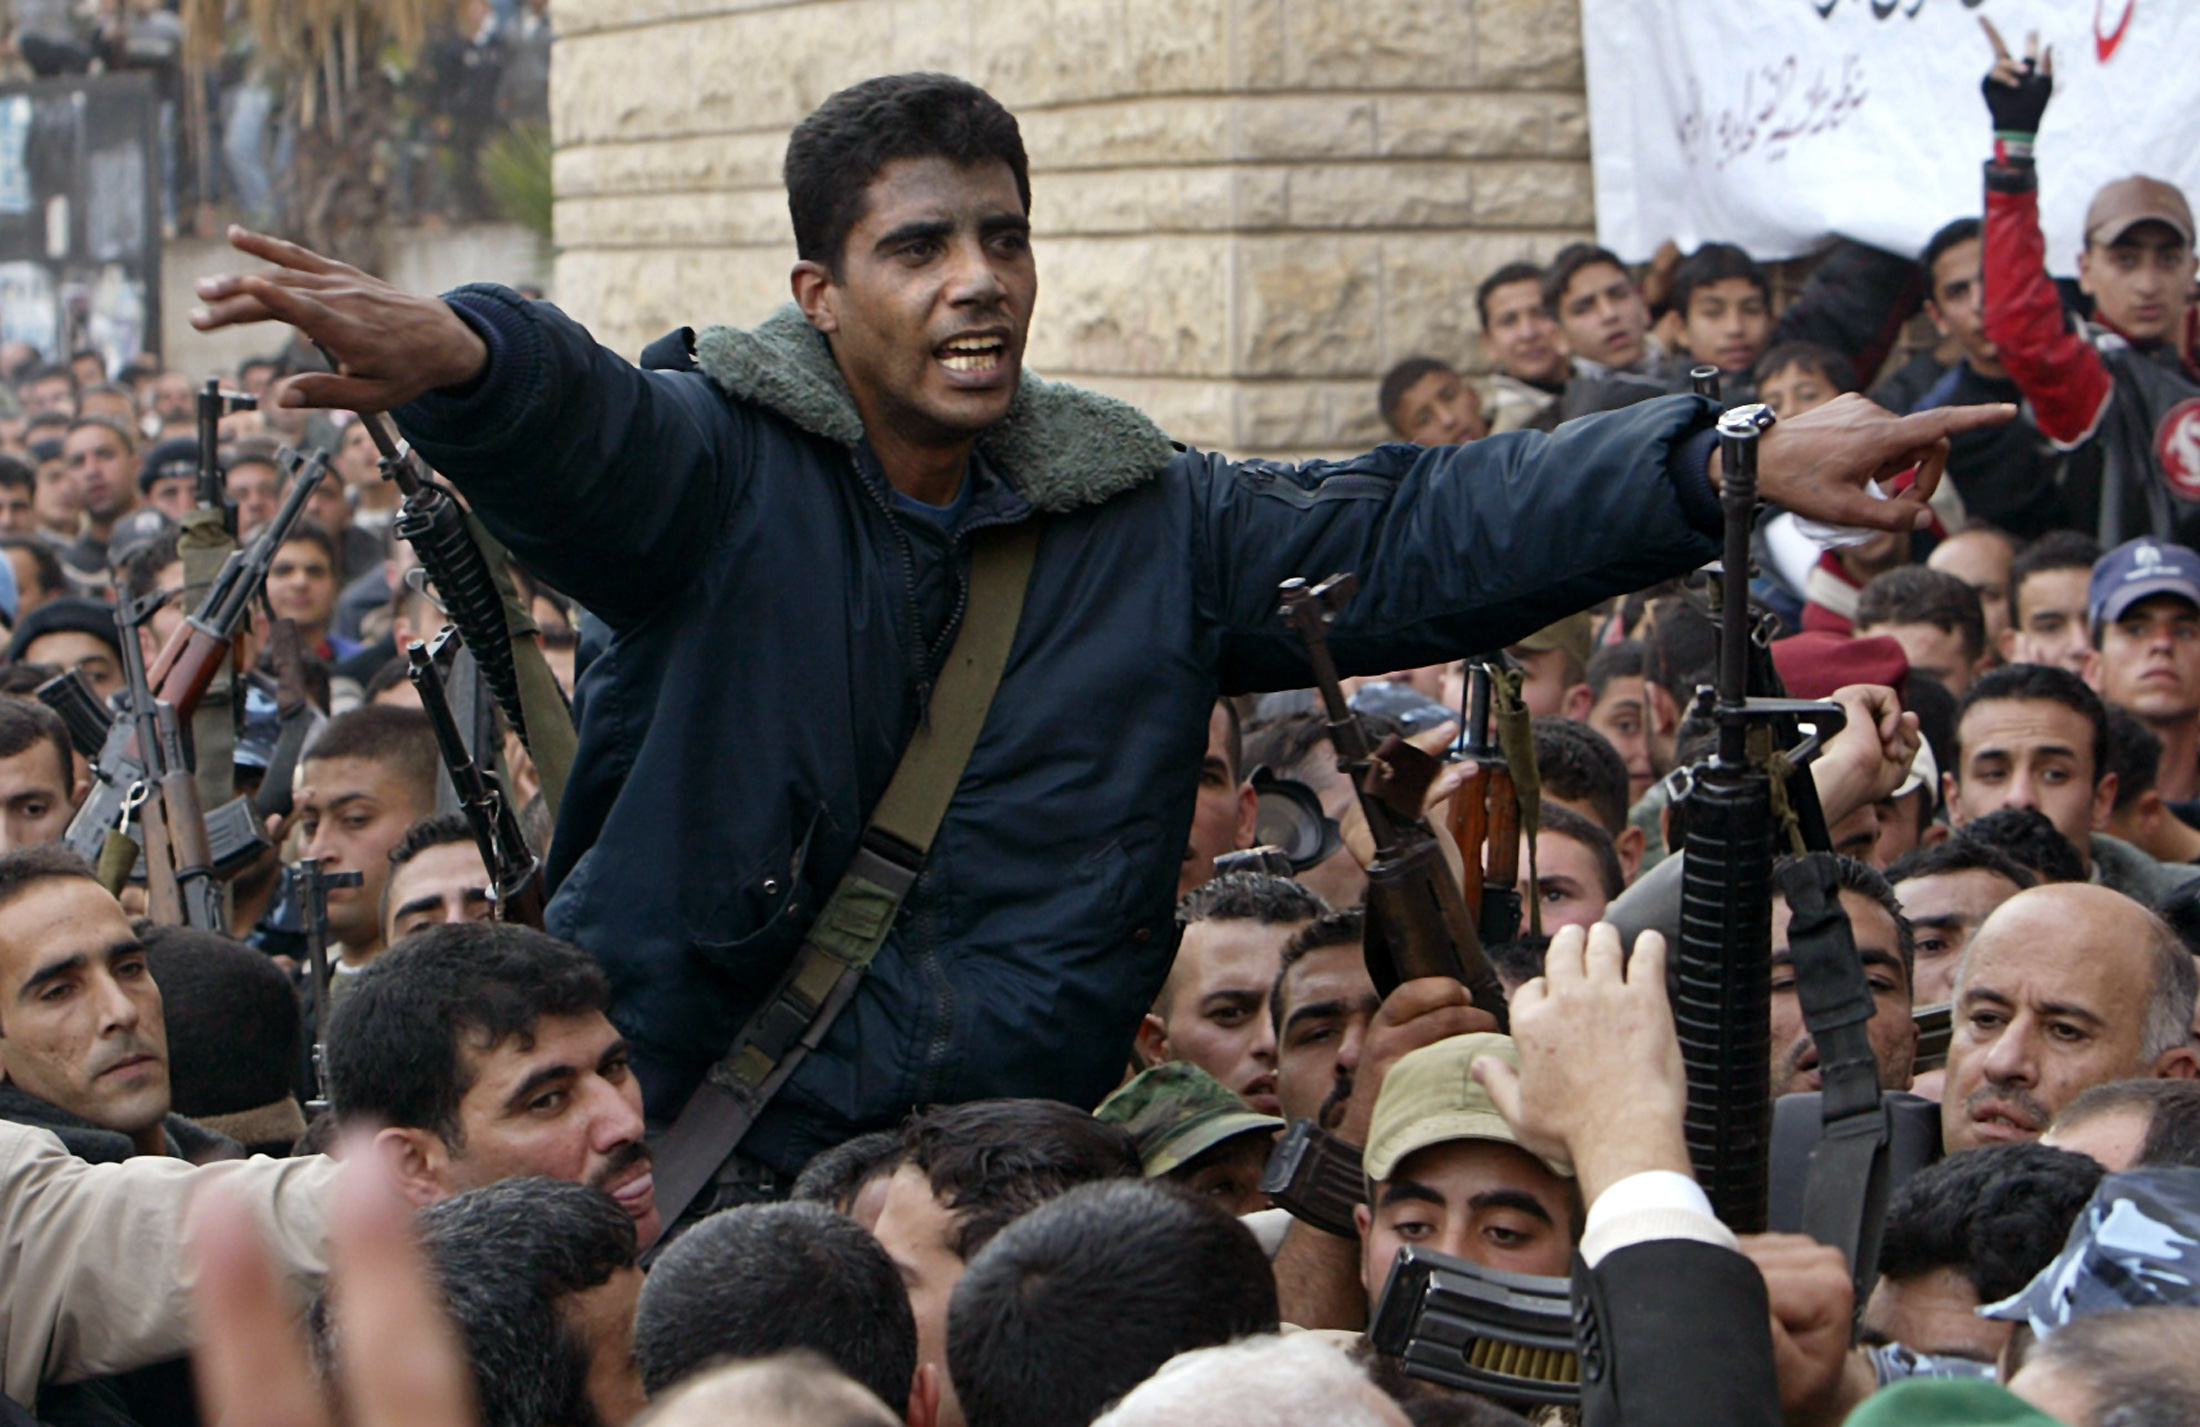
x: 777, y: 616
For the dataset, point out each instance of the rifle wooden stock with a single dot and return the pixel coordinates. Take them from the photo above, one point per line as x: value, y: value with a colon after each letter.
x: 163, y: 903
x: 1469, y: 822
x: 186, y: 668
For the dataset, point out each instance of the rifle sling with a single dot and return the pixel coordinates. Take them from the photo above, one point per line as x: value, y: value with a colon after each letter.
x: 1845, y: 1193
x: 853, y: 925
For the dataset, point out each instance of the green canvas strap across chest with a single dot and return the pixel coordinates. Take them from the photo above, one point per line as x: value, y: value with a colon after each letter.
x: 857, y: 917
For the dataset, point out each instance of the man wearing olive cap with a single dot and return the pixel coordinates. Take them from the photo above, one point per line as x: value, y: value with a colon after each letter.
x: 1445, y: 1172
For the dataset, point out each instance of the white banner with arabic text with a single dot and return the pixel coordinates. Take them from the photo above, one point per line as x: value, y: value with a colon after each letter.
x: 1775, y: 123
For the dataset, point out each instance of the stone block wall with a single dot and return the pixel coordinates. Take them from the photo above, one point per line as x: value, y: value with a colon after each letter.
x: 1245, y: 210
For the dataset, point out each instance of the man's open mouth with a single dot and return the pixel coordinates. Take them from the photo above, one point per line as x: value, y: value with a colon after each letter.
x: 973, y: 355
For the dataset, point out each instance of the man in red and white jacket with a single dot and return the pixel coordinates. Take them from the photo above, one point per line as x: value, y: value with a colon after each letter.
x: 2126, y: 381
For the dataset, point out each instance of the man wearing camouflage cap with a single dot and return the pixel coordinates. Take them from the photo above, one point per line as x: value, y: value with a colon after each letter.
x: 1445, y: 1172
x: 1193, y: 1131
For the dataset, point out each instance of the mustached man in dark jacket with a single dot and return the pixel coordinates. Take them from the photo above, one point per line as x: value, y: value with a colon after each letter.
x: 777, y: 529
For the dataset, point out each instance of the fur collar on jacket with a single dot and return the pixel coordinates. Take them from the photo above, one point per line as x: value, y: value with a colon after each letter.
x: 1065, y: 447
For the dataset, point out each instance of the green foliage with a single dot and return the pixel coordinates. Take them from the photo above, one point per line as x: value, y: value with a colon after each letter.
x: 515, y: 173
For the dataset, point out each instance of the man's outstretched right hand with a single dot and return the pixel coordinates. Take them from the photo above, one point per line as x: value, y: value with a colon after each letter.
x: 390, y: 345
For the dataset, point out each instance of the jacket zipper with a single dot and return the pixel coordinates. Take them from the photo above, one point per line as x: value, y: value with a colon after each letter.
x: 941, y: 1041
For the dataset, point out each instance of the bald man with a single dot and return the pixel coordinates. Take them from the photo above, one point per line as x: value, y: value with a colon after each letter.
x: 2064, y: 987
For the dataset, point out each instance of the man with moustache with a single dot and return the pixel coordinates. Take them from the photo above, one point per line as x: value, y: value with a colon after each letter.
x: 1883, y: 944
x: 2065, y: 987
x: 83, y: 1047
x: 480, y: 1051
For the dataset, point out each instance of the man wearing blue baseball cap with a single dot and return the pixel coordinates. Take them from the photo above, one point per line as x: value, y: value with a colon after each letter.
x: 2144, y: 607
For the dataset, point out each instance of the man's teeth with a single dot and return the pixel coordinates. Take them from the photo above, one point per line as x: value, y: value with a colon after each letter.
x: 971, y: 354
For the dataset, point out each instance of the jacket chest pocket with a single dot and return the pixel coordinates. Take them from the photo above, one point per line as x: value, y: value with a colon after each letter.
x: 749, y: 924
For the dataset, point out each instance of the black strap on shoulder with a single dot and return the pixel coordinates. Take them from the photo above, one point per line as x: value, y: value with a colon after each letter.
x: 1845, y: 1193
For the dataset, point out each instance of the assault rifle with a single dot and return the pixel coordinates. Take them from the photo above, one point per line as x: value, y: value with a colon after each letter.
x: 214, y: 404
x: 1736, y: 803
x: 313, y: 887
x: 179, y: 867
x: 1486, y: 813
x: 515, y: 886
x: 432, y: 521
x: 1417, y: 920
x: 180, y: 676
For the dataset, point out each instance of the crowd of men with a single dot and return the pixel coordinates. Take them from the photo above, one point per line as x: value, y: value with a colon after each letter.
x: 2014, y: 799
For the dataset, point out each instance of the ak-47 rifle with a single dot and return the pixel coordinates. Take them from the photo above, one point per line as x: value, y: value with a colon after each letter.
x: 1417, y: 921
x: 179, y: 868
x: 180, y: 676
x: 314, y: 886
x: 431, y: 519
x: 1485, y: 813
x: 515, y: 884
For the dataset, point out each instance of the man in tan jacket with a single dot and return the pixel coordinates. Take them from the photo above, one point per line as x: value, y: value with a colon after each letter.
x: 97, y: 1280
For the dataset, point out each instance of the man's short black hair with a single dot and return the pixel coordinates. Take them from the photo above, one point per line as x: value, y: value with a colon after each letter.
x: 1959, y: 854
x: 44, y: 562
x: 1997, y: 1215
x: 1399, y: 380
x: 1683, y: 648
x: 991, y: 1160
x: 15, y: 475
x: 2026, y: 837
x: 2056, y: 550
x: 1287, y: 744
x: 1962, y: 230
x: 2047, y: 683
x: 1250, y: 897
x: 834, y: 1177
x: 1346, y: 926
x: 766, y: 1279
x: 834, y: 154
x: 2134, y: 755
x: 1856, y: 875
x: 47, y: 373
x: 1233, y: 739
x: 26, y: 867
x: 434, y: 830
x: 25, y: 723
x: 1083, y: 1299
x: 401, y: 1038
x: 1505, y: 276
x: 1835, y: 369
x: 1562, y: 821
x: 141, y: 567
x: 505, y: 1257
x: 307, y: 532
x: 1580, y: 765
x: 234, y: 1028
x: 399, y: 739
x: 1920, y: 594
x: 1715, y: 262
x: 1572, y: 259
x: 1627, y: 659
x: 2172, y: 1108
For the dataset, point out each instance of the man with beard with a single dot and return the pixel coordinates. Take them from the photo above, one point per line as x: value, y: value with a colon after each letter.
x: 1883, y: 944
x: 480, y: 1051
x: 2064, y: 988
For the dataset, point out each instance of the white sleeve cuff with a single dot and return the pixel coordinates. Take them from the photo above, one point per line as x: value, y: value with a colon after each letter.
x: 1656, y: 1204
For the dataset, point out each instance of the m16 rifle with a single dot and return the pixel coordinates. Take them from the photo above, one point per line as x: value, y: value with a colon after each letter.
x: 1749, y: 792
x: 431, y: 520
x: 313, y: 886
x: 515, y: 884
x: 180, y: 676
x: 1417, y: 921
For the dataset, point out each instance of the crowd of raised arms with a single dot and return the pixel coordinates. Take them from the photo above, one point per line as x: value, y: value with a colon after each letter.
x: 429, y: 1185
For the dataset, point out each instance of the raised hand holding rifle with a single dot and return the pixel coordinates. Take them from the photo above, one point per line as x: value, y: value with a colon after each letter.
x: 515, y: 881
x: 1417, y: 922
